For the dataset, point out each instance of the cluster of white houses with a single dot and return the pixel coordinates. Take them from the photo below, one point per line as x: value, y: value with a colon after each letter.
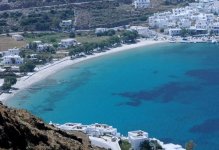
x: 197, y: 18
x: 107, y: 137
x: 11, y: 57
x: 64, y: 43
x: 140, y: 4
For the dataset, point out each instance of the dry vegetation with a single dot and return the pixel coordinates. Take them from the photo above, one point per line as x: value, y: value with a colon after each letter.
x: 8, y: 42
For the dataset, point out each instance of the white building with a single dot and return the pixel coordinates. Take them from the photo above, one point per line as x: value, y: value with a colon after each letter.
x: 215, y: 28
x: 105, y: 142
x: 94, y: 130
x: 136, y: 138
x: 12, y: 60
x: 101, y: 129
x: 184, y: 23
x: 215, y: 7
x: 100, y: 30
x: 43, y: 47
x: 141, y: 4
x: 11, y: 52
x: 169, y: 146
x: 37, y: 42
x: 17, y: 37
x: 174, y: 31
x: 65, y: 23
x: 201, y: 24
x: 143, y: 31
x: 66, y: 43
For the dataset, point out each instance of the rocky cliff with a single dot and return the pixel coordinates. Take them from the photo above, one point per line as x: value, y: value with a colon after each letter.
x: 21, y: 130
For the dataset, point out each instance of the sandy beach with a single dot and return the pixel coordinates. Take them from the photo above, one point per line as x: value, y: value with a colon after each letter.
x: 47, y: 70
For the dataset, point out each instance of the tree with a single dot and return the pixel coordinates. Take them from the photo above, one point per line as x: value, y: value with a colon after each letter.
x: 184, y: 32
x: 27, y: 67
x: 6, y: 86
x: 190, y: 145
x: 55, y: 45
x: 150, y: 145
x: 32, y: 45
x: 11, y: 80
x: 124, y: 145
x: 22, y: 53
x: 72, y: 35
x: 145, y: 145
x: 114, y: 40
x: 129, y: 36
x: 8, y: 82
x: 111, y: 32
x: 53, y: 40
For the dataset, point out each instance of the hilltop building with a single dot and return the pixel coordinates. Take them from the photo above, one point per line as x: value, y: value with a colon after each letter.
x: 139, y: 4
x: 136, y: 138
x: 65, y: 23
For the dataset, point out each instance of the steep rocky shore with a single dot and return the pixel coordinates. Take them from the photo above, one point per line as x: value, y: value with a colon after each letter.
x: 21, y: 130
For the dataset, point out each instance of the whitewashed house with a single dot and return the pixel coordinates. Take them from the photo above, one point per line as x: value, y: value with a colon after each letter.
x: 17, y: 37
x: 43, y: 47
x: 12, y: 60
x: 65, y: 23
x: 215, y: 28
x: 143, y: 31
x: 201, y: 24
x: 141, y: 4
x: 184, y: 23
x: 210, y: 17
x: 215, y: 7
x: 37, y: 42
x: 101, y: 130
x: 94, y: 130
x: 175, y: 31
x: 66, y: 43
x: 136, y: 138
x: 11, y: 52
x: 100, y: 30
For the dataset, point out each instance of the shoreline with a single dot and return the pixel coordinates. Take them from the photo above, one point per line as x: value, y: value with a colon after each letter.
x: 51, y: 68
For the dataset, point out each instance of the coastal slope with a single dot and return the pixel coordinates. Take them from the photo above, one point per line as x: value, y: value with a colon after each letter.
x: 21, y: 130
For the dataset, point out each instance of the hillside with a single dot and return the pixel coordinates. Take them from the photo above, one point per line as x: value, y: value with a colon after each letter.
x: 21, y: 130
x: 45, y: 15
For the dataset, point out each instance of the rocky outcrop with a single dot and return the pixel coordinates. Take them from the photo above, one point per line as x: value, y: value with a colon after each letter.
x: 21, y: 130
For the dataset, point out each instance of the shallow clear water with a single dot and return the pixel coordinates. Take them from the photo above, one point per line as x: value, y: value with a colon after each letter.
x: 168, y: 90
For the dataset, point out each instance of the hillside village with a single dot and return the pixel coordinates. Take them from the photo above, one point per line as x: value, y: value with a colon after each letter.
x: 196, y: 19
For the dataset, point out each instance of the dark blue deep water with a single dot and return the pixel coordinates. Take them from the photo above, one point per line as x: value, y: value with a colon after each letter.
x: 168, y: 90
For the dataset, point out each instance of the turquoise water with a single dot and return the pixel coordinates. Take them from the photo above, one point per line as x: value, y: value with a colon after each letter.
x: 168, y: 90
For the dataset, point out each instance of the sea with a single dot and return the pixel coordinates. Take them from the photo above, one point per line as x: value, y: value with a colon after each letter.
x: 169, y: 90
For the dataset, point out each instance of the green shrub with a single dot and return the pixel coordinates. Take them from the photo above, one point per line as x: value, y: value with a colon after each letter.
x: 27, y: 67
